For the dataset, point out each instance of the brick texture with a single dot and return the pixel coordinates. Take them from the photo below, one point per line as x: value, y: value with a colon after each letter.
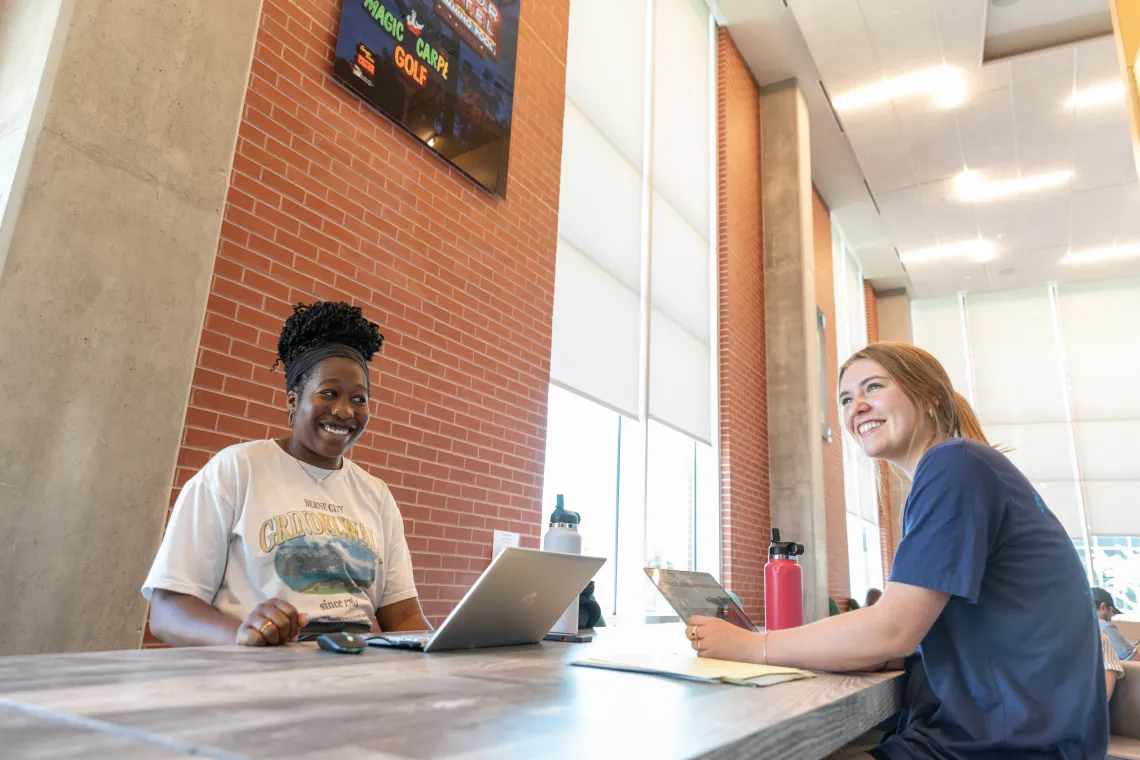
x: 329, y: 200
x: 746, y: 512
x: 886, y: 518
x: 834, y: 495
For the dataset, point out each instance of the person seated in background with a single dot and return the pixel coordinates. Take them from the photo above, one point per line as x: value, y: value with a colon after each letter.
x: 1105, y: 611
x: 852, y: 604
x: 873, y: 596
x: 275, y: 536
x: 1113, y: 670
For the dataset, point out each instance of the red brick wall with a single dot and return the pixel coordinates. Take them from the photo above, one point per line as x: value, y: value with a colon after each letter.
x: 746, y: 507
x: 834, y: 495
x: 886, y: 519
x: 328, y: 200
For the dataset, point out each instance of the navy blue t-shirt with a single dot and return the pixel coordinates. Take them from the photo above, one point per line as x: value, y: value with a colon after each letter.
x: 1013, y: 662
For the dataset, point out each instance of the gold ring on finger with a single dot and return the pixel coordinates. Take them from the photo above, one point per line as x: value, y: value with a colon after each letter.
x: 264, y: 625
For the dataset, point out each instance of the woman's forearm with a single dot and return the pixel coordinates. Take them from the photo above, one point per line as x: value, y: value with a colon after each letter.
x: 857, y: 640
x: 181, y: 620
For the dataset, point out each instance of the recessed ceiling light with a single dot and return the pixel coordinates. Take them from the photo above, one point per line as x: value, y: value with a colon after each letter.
x: 975, y: 250
x: 945, y: 84
x: 1113, y: 92
x: 972, y: 186
x: 1127, y: 251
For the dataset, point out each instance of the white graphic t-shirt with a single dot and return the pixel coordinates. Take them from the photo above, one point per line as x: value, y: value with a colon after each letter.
x: 255, y: 524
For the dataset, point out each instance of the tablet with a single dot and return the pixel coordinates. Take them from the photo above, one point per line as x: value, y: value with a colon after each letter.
x: 691, y: 593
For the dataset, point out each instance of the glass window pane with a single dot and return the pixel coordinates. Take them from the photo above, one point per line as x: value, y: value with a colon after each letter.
x: 857, y: 557
x: 874, y: 559
x: 670, y: 500
x: 581, y: 464
x: 1117, y: 564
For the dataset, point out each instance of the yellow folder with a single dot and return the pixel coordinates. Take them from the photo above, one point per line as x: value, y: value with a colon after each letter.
x: 697, y: 669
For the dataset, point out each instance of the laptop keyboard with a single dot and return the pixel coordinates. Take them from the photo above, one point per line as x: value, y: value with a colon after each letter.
x: 410, y: 640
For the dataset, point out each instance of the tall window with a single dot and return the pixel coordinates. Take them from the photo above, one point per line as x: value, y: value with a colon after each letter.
x: 865, y: 560
x: 1051, y: 373
x: 632, y: 360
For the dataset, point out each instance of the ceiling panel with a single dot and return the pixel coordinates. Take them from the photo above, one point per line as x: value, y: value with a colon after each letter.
x: 1043, y: 98
x: 1101, y: 156
x: 1095, y: 218
x: 986, y: 128
x: 1014, y: 122
x: 1097, y: 63
x: 932, y: 141
x: 1043, y: 220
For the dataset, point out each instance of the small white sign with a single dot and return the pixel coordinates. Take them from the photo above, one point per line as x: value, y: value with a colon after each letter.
x: 503, y: 539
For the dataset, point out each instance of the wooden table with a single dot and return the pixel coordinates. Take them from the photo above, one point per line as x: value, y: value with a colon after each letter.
x: 519, y: 702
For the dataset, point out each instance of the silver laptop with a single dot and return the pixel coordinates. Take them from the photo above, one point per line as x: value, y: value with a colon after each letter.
x: 515, y: 601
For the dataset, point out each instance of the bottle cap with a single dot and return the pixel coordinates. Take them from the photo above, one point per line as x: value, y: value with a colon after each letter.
x: 563, y: 516
x: 780, y: 548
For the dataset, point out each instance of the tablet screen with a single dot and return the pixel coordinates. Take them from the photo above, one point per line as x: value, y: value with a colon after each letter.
x: 690, y: 593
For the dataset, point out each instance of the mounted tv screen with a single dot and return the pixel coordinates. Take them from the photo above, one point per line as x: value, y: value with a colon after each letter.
x: 444, y: 70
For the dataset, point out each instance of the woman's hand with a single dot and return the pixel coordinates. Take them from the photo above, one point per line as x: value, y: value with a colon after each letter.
x: 720, y: 640
x: 271, y: 623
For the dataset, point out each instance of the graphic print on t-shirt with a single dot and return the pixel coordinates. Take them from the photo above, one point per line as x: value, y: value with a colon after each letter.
x: 320, y: 553
x: 323, y: 565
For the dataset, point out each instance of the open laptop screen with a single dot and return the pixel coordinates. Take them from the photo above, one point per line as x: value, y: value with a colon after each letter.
x: 691, y: 593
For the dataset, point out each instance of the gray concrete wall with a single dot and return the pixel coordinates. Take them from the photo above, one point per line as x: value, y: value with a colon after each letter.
x: 796, y: 458
x: 101, y: 301
x: 28, y: 59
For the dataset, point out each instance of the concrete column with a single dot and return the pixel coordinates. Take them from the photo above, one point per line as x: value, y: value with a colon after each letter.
x: 894, y: 324
x: 795, y: 454
x: 102, y: 294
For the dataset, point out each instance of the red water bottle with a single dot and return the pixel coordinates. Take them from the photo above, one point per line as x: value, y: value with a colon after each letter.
x: 783, y: 585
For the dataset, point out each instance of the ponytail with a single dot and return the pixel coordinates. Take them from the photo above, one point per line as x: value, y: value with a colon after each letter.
x: 968, y: 425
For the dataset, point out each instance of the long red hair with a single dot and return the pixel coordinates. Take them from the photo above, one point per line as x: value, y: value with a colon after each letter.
x: 925, y: 382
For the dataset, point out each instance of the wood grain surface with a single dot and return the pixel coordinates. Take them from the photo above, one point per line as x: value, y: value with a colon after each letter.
x: 518, y: 702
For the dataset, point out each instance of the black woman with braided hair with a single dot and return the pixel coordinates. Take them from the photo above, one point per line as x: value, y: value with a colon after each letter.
x: 276, y: 539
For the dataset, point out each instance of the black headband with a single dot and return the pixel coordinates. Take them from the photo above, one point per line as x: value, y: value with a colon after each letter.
x: 313, y: 356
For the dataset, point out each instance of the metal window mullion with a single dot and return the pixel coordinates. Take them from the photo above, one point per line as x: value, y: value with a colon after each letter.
x: 1074, y: 448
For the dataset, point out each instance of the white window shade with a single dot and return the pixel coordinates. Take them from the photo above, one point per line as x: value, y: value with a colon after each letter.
x: 597, y: 293
x: 679, y: 378
x: 681, y: 270
x: 682, y: 121
x: 600, y: 200
x: 1063, y: 499
x: 938, y: 329
x: 1112, y: 507
x: 679, y: 328
x: 1101, y: 328
x: 597, y: 334
x: 1107, y: 451
x: 1016, y: 363
x: 598, y: 49
x: 1041, y: 451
